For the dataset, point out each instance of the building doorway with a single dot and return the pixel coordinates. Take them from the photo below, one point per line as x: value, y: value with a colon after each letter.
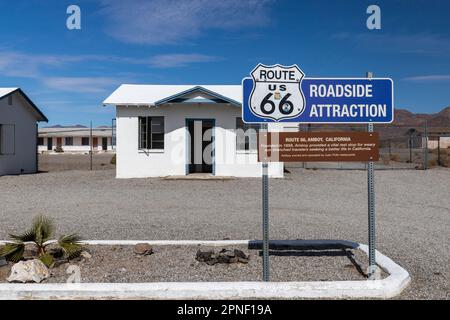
x: 200, y: 146
x: 95, y: 143
x: 49, y: 144
x: 104, y: 143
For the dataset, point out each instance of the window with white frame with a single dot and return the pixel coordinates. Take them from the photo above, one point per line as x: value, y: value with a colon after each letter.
x: 151, y: 133
x: 7, y: 139
x: 246, y: 136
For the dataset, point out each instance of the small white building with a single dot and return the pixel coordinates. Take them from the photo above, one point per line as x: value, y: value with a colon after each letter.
x: 166, y: 130
x: 75, y: 139
x: 18, y: 132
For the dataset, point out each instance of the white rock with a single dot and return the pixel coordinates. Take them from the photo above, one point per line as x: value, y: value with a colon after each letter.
x: 28, y: 271
x: 85, y: 255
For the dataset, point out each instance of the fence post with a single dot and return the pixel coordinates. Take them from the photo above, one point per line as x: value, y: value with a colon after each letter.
x: 439, y: 151
x: 425, y: 140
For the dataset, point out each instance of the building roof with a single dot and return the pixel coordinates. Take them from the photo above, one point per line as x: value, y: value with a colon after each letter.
x: 132, y: 94
x: 4, y: 92
x: 74, y: 132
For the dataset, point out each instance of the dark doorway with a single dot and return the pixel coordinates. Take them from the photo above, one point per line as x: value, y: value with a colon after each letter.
x: 201, y: 137
x: 95, y: 143
x: 104, y: 143
x: 49, y: 144
x: 59, y: 142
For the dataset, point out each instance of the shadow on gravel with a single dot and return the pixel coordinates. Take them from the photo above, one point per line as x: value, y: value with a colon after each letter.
x: 311, y: 248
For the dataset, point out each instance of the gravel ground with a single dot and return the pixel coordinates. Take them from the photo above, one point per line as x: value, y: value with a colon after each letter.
x: 66, y: 161
x: 413, y: 211
x: 177, y: 263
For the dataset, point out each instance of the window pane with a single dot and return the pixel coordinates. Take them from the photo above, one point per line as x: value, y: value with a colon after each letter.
x: 158, y: 125
x: 84, y: 141
x: 68, y: 141
x: 158, y: 145
x: 142, y: 133
x: 40, y: 141
x: 158, y: 137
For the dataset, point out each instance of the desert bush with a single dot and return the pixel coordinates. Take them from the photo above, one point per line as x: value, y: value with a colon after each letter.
x: 113, y: 160
x: 41, y: 231
x: 58, y: 149
x: 395, y: 157
x: 432, y: 163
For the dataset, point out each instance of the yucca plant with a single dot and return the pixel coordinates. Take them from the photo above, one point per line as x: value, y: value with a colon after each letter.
x: 41, y: 231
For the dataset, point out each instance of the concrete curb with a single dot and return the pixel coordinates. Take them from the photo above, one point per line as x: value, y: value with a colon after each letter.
x: 389, y: 287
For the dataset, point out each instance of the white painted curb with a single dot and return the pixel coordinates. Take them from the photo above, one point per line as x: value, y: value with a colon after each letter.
x: 389, y: 287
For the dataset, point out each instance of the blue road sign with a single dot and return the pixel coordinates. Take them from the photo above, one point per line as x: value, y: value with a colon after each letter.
x: 281, y: 94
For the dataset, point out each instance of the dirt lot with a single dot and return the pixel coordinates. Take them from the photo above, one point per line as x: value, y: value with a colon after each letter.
x: 413, y: 211
x: 64, y: 161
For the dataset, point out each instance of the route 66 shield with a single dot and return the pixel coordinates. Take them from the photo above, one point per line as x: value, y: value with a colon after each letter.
x: 277, y: 92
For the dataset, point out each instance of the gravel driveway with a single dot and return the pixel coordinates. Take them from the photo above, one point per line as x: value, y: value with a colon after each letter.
x: 413, y: 211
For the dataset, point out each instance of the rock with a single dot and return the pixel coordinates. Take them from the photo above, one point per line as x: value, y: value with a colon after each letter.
x: 86, y: 255
x: 58, y: 262
x: 241, y: 256
x: 224, y: 256
x: 30, y: 254
x: 143, y: 249
x: 28, y: 271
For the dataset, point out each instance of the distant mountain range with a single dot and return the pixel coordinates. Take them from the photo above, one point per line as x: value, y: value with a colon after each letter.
x: 406, y: 118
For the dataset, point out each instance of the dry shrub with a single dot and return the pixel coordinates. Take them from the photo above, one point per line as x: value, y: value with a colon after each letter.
x: 432, y: 163
x: 395, y: 157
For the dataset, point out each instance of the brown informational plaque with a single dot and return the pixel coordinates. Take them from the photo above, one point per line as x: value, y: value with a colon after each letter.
x: 318, y: 146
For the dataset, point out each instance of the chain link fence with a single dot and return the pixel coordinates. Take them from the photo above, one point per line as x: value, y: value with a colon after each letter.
x: 418, y: 147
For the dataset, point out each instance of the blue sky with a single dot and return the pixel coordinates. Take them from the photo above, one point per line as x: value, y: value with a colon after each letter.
x: 68, y: 73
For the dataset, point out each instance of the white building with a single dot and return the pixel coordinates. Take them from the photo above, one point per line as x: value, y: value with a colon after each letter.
x: 165, y: 130
x: 75, y: 139
x: 18, y: 132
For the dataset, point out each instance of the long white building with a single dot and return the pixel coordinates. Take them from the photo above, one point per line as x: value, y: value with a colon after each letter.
x: 73, y: 139
x: 165, y: 130
x: 18, y: 132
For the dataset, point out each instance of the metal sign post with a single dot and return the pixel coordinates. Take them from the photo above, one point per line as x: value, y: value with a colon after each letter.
x: 371, y: 209
x: 371, y: 206
x: 265, y: 211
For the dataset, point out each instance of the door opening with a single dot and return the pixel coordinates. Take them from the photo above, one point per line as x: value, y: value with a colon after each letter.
x: 104, y: 143
x: 200, y: 146
x: 49, y: 144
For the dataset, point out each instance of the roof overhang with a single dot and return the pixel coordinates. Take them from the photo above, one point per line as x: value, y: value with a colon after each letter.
x: 183, y: 97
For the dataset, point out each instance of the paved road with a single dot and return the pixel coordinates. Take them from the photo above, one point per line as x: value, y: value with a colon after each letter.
x: 413, y: 211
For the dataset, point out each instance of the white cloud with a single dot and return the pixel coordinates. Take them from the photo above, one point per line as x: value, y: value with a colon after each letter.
x: 179, y: 60
x: 170, y: 21
x: 81, y: 84
x: 415, y: 43
x: 428, y: 78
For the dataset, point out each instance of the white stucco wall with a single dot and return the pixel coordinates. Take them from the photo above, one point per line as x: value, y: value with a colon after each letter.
x: 24, y: 158
x: 77, y: 147
x: 134, y: 163
x: 443, y: 144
